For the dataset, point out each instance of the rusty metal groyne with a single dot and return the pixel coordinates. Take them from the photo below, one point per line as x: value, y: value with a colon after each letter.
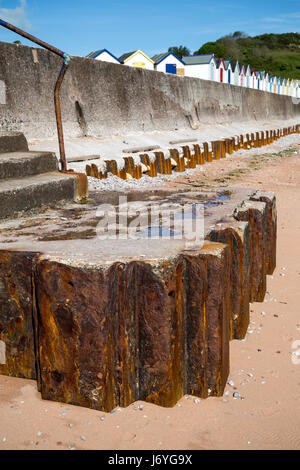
x: 185, y: 156
x: 126, y: 329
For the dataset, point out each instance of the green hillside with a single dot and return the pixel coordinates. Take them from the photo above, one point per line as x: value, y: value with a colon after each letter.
x: 278, y: 54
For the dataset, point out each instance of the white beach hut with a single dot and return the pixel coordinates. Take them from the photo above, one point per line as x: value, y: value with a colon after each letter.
x: 260, y: 80
x: 201, y: 66
x: 267, y: 82
x: 248, y: 76
x: 168, y: 62
x: 295, y: 88
x: 229, y: 75
x: 221, y: 71
x: 270, y: 85
x: 104, y: 55
x: 253, y: 80
x: 243, y: 81
x: 278, y: 89
x: 236, y: 74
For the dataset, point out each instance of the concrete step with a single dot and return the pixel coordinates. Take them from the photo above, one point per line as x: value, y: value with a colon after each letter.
x: 22, y: 164
x: 23, y: 194
x: 11, y: 141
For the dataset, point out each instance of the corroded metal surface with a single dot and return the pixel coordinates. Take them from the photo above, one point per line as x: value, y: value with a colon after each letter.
x: 129, y: 327
x: 16, y: 309
x: 237, y: 236
x: 134, y: 331
x: 255, y: 213
x: 74, y: 336
x: 81, y: 185
x: 208, y: 320
x: 271, y: 227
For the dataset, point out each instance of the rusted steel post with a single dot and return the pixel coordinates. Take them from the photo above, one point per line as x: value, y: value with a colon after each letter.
x: 62, y: 72
x: 60, y: 134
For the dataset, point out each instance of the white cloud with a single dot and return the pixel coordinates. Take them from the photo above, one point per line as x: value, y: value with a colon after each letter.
x: 16, y: 16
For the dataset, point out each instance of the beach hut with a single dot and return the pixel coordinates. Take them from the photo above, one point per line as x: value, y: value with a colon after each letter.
x: 201, y: 66
x: 221, y: 69
x: 248, y: 76
x: 271, y: 83
x: 228, y: 65
x: 295, y: 88
x: 278, y: 90
x: 267, y: 82
x: 169, y: 63
x: 104, y: 55
x: 257, y: 83
x: 260, y: 74
x: 279, y: 86
x: 236, y: 74
x: 243, y: 81
x: 253, y: 80
x: 137, y: 59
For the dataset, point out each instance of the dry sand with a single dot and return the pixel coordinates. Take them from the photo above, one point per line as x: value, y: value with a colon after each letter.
x: 267, y: 413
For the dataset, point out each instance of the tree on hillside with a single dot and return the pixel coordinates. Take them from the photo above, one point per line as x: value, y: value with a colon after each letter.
x: 239, y: 35
x: 211, y: 48
x: 231, y: 48
x: 278, y: 54
x: 225, y: 47
x: 179, y: 51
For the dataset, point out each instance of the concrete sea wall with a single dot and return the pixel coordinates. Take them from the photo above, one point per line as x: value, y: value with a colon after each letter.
x: 101, y: 99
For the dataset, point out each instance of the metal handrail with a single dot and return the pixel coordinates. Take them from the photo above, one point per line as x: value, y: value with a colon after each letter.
x: 58, y: 84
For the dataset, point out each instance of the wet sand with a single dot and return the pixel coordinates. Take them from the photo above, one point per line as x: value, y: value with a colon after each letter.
x: 265, y: 415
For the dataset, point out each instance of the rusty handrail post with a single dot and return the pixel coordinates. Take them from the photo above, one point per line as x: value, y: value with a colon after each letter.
x: 60, y: 134
x: 59, y: 81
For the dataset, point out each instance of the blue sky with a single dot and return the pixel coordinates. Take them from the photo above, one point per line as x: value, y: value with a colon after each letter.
x: 79, y: 27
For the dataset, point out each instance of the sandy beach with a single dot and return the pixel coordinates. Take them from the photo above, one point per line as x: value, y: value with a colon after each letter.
x: 264, y: 371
